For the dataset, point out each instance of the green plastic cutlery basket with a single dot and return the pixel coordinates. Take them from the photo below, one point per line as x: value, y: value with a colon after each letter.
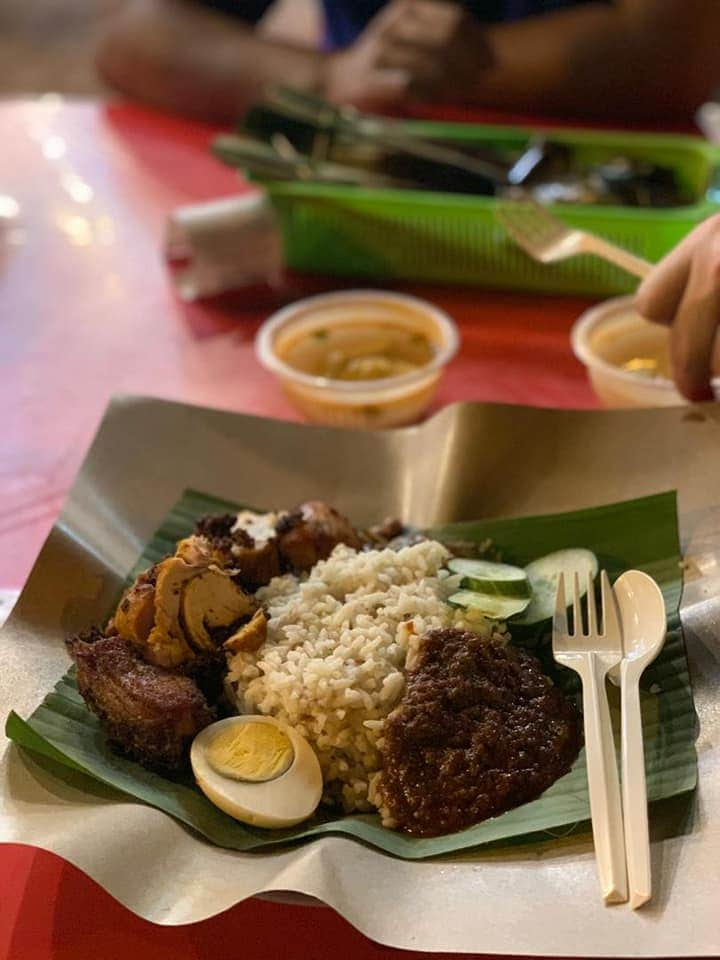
x: 453, y: 238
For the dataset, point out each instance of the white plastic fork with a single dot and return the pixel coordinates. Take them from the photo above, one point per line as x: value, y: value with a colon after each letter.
x: 591, y: 655
x: 547, y: 239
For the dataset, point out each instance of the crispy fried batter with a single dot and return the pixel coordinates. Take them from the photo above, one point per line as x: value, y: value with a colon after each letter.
x: 149, y: 713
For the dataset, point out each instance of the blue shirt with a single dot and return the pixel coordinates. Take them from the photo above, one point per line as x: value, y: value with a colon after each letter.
x: 346, y: 19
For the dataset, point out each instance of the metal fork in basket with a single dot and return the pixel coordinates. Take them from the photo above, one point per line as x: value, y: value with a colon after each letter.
x: 592, y: 654
x: 547, y: 239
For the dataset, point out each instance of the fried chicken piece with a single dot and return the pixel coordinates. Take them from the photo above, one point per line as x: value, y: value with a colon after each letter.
x: 260, y: 546
x: 149, y: 714
x: 257, y: 562
x: 251, y: 636
x: 390, y: 528
x: 247, y: 543
x: 216, y: 526
x: 179, y: 611
x: 200, y: 552
x: 211, y: 608
x: 310, y: 533
x: 135, y: 614
x: 392, y: 533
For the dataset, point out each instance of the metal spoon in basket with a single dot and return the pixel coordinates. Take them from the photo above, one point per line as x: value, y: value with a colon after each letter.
x: 547, y: 239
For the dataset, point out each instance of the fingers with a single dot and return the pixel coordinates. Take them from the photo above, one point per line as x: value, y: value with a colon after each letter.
x: 436, y: 43
x: 683, y: 292
x: 424, y: 69
x: 694, y: 328
x: 438, y: 13
x: 412, y: 32
x: 658, y: 297
x: 389, y: 17
x: 382, y: 88
x: 403, y: 51
x: 428, y: 25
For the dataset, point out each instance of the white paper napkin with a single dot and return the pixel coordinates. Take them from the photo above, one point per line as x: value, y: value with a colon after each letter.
x: 224, y: 245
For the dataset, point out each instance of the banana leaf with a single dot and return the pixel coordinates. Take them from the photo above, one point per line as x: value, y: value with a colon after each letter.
x: 638, y: 534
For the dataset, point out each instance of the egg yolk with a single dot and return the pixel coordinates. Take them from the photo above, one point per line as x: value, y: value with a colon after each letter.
x: 250, y: 751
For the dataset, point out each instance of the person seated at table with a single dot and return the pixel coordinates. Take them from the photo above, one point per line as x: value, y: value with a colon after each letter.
x: 683, y: 292
x: 588, y: 58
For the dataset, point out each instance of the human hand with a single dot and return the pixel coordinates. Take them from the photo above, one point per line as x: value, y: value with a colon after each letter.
x: 423, y: 48
x: 683, y: 292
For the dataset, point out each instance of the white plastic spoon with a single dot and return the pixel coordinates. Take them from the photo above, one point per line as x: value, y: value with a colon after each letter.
x: 642, y: 615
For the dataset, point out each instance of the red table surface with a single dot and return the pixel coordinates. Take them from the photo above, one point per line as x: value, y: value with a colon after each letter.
x: 87, y: 309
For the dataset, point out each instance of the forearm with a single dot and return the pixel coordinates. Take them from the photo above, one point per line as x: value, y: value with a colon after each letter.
x: 599, y: 60
x: 195, y: 61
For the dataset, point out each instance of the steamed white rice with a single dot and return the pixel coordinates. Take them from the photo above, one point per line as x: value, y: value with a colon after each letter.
x: 337, y: 645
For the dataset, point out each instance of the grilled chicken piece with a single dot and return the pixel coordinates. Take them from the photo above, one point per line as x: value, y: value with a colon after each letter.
x: 310, y: 533
x: 135, y: 615
x: 211, y: 605
x: 167, y: 644
x: 201, y: 552
x: 179, y: 611
x: 150, y: 714
x: 251, y: 636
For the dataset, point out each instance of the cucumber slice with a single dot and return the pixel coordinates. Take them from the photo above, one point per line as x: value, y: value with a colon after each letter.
x: 496, y: 608
x: 452, y: 583
x: 544, y: 575
x: 485, y: 570
x: 498, y: 588
x: 499, y: 579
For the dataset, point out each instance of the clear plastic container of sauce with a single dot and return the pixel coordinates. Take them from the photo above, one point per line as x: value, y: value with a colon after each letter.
x: 627, y: 357
x: 359, y: 358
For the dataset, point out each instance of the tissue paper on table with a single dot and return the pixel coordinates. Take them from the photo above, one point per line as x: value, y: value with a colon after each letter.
x: 224, y: 245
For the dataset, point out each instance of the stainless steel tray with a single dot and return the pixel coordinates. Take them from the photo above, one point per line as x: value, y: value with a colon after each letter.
x: 468, y: 461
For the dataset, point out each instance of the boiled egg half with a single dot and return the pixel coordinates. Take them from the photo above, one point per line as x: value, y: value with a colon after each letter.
x: 258, y: 770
